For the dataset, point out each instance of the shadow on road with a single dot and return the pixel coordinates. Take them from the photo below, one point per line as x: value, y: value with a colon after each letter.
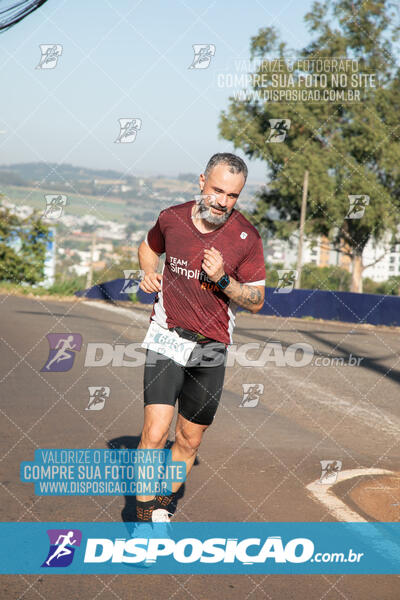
x: 367, y: 363
x: 338, y: 350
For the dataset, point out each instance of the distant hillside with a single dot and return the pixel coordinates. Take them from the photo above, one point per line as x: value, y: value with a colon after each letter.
x: 56, y: 173
x: 116, y: 196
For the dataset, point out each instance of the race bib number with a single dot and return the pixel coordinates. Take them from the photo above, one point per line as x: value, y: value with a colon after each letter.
x: 161, y: 340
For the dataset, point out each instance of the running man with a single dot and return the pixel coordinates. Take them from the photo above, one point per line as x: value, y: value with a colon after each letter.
x: 214, y: 262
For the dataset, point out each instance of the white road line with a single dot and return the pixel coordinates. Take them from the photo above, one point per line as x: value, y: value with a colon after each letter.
x: 324, y: 494
x: 373, y: 537
x: 132, y: 314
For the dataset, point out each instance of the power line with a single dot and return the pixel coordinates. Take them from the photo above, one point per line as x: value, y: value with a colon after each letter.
x: 16, y: 11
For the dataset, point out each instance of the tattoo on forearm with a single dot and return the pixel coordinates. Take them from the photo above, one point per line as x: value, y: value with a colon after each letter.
x: 245, y: 295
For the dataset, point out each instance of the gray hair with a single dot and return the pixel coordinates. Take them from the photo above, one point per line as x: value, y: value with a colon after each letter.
x: 236, y: 164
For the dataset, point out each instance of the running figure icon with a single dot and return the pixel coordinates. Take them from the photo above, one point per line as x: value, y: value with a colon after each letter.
x: 62, y: 354
x: 62, y: 549
x: 63, y: 347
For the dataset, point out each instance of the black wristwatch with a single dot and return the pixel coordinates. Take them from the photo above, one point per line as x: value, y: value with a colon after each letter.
x: 223, y: 282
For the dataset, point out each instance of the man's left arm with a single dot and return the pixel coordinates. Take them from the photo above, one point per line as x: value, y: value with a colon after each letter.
x: 247, y: 296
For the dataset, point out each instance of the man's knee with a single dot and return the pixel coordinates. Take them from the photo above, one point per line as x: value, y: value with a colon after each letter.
x: 154, y: 436
x: 188, y: 440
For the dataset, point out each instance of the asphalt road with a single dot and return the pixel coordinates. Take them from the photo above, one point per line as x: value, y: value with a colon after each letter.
x: 254, y: 464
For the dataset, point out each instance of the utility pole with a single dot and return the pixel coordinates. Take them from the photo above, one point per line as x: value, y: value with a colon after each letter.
x: 54, y: 251
x: 90, y: 272
x: 301, y: 231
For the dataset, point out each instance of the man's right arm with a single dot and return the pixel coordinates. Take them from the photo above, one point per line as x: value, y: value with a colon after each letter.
x: 148, y: 261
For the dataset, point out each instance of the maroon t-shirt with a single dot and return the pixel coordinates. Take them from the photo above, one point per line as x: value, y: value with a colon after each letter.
x: 188, y: 298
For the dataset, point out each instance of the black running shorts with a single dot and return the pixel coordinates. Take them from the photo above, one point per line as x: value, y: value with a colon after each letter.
x: 197, y: 386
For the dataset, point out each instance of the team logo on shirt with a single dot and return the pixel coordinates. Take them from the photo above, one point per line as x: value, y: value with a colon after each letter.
x: 208, y: 285
x: 180, y: 267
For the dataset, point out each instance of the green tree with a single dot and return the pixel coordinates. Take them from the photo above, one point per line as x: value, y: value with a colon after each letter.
x: 390, y: 287
x: 325, y: 278
x: 348, y: 148
x: 115, y: 269
x: 314, y: 277
x: 22, y: 247
x: 271, y: 274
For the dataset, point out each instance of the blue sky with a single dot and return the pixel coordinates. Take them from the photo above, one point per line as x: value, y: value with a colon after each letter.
x: 129, y: 58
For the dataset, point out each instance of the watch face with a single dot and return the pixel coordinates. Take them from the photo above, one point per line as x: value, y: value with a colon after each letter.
x: 224, y: 282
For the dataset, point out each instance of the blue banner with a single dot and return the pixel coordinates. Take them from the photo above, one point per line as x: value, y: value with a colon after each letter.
x: 206, y: 548
x: 349, y: 307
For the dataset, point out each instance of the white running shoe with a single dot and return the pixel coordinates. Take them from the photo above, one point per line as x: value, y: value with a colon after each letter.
x: 161, y: 515
x: 162, y: 525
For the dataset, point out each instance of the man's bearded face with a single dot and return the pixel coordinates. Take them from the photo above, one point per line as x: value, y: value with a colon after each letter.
x: 218, y: 216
